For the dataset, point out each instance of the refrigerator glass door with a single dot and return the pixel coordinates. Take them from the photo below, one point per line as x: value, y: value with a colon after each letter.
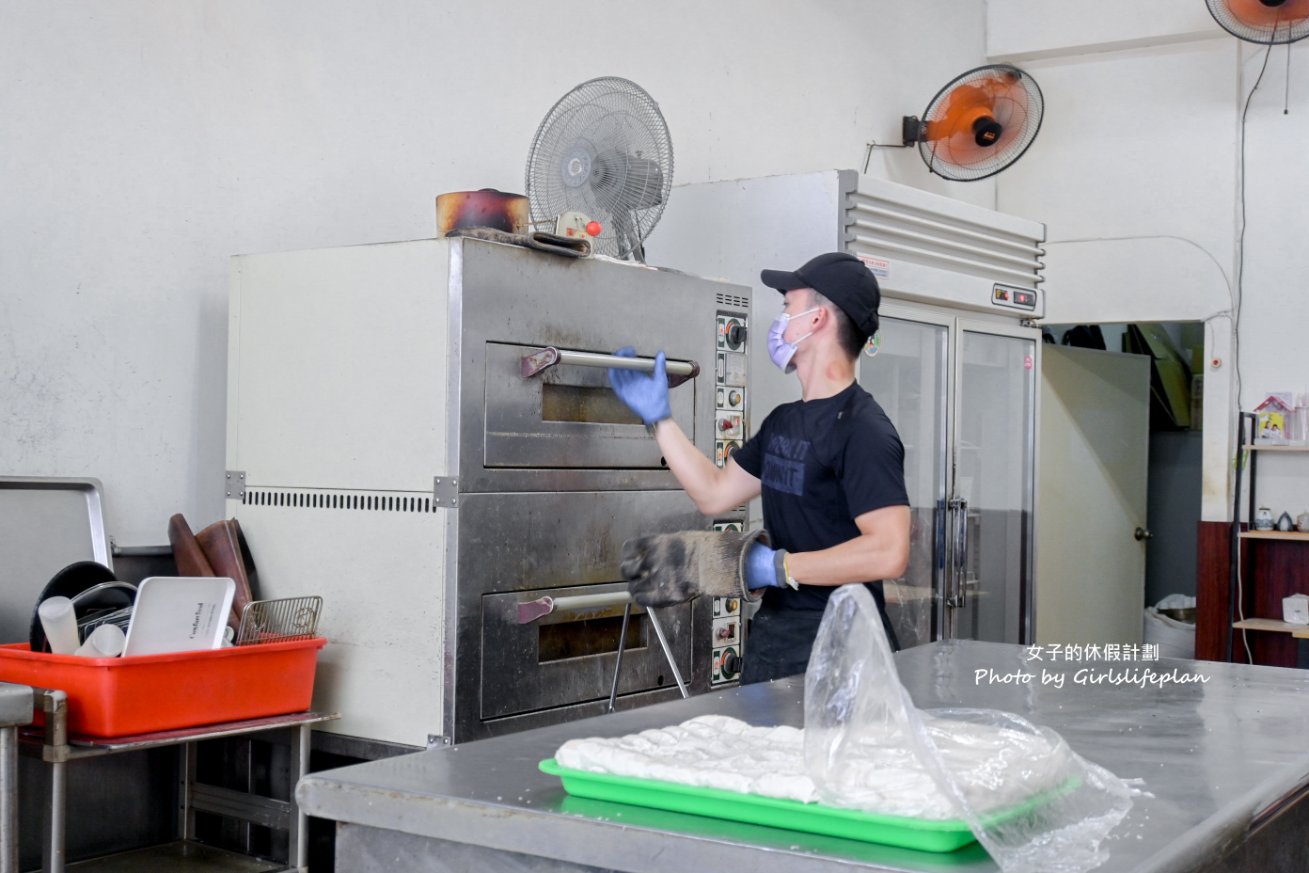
x: 989, y: 555
x: 907, y: 375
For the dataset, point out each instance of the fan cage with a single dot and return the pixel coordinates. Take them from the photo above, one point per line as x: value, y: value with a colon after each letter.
x: 1266, y: 22
x: 603, y: 150
x: 947, y: 141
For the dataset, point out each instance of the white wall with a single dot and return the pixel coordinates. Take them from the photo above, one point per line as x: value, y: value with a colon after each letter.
x: 1024, y: 29
x: 1136, y: 172
x: 145, y: 141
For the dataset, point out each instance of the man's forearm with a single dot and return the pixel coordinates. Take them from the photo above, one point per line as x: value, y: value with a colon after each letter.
x: 882, y: 553
x: 697, y: 475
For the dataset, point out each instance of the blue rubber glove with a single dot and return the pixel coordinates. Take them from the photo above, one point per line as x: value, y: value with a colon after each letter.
x: 765, y: 567
x: 645, y: 394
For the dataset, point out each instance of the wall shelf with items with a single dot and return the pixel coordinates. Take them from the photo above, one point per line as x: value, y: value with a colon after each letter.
x: 1266, y: 565
x: 1273, y: 625
x: 1290, y: 535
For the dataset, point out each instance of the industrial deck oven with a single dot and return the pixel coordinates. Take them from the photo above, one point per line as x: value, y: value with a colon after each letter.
x: 423, y: 433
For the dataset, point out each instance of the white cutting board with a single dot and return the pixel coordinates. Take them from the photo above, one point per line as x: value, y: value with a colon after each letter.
x: 179, y: 614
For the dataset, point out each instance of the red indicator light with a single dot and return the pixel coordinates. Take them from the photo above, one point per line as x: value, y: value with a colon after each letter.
x: 594, y: 228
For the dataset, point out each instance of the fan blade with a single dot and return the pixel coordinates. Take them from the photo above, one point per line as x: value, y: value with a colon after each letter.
x: 962, y: 108
x: 627, y: 182
x: 978, y: 120
x: 1257, y: 13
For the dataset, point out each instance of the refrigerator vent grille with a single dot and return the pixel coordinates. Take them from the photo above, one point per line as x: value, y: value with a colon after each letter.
x: 884, y: 227
x: 338, y: 500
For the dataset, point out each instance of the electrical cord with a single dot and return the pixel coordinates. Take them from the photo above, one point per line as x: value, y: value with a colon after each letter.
x: 1240, y: 244
x: 1236, y: 333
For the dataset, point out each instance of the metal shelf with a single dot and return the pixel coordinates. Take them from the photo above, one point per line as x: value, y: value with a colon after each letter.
x: 53, y: 745
x: 183, y: 856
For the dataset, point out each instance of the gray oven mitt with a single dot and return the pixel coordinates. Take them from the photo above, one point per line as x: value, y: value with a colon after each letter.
x: 665, y: 569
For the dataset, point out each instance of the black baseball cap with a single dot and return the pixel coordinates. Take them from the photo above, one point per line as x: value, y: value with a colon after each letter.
x: 841, y: 278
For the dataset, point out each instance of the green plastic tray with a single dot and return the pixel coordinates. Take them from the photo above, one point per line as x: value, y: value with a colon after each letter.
x: 925, y: 835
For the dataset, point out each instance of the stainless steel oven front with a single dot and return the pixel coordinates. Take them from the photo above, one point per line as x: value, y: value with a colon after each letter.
x: 425, y: 435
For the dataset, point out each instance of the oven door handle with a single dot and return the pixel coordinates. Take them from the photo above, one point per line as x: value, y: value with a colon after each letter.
x: 531, y: 610
x: 539, y: 361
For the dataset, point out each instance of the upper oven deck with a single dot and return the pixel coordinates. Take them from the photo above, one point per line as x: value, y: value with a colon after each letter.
x: 417, y: 350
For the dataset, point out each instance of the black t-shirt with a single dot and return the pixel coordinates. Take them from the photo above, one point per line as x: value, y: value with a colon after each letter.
x: 821, y: 464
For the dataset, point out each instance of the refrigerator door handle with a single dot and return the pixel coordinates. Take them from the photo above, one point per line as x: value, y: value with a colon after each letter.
x: 958, y: 553
x: 963, y: 553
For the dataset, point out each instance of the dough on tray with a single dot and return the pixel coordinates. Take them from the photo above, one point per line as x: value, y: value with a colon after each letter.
x: 714, y: 751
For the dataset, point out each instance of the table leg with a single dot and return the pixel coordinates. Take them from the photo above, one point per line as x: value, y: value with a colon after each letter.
x: 9, y: 800
x: 55, y: 706
x: 298, y: 837
x: 186, y: 779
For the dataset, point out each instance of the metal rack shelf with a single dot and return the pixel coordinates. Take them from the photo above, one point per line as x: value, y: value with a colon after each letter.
x: 182, y: 856
x: 53, y: 745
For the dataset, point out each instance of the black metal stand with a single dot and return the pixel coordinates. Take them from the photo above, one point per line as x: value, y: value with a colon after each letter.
x: 1234, y: 569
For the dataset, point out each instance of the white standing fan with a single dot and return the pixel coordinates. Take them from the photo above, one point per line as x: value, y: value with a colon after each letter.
x: 603, y: 150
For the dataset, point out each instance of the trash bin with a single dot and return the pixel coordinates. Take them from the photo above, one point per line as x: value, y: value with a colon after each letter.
x: 1175, y: 638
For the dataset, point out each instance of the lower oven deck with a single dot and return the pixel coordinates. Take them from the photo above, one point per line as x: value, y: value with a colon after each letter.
x: 421, y: 607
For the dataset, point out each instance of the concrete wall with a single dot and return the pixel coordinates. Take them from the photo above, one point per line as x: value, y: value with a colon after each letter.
x: 146, y: 141
x: 1137, y: 171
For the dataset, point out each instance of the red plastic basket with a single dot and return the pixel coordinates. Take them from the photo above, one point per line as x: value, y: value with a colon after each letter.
x: 118, y: 697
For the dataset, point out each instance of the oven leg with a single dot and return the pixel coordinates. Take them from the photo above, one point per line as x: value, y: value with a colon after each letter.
x: 668, y: 653
x: 618, y: 664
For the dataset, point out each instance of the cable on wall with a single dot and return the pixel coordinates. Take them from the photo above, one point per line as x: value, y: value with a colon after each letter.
x: 1240, y: 243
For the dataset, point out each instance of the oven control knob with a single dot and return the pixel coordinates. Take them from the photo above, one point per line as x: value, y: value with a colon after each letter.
x: 731, y: 664
x: 735, y: 334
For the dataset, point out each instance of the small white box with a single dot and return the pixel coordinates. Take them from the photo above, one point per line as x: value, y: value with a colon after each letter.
x: 1295, y: 609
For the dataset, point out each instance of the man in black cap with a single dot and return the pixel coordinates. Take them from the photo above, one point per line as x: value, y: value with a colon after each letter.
x: 830, y: 469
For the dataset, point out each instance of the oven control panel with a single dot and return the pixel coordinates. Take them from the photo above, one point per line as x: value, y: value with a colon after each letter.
x: 728, y: 635
x: 730, y: 425
x: 729, y: 385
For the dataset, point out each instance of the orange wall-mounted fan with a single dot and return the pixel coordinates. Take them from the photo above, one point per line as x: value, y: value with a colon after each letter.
x: 978, y: 124
x: 1267, y: 22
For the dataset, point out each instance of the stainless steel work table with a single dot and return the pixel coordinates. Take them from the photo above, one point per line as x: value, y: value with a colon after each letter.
x: 1226, y: 763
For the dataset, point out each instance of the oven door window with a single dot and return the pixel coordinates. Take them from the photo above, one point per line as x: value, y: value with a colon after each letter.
x: 567, y: 416
x: 567, y: 657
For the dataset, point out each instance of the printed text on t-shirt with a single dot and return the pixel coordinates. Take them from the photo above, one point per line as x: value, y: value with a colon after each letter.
x: 784, y: 465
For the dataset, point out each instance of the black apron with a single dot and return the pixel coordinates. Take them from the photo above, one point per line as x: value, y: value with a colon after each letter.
x: 780, y: 641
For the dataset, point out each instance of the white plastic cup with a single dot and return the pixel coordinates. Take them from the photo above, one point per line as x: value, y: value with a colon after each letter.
x: 106, y: 641
x: 1297, y: 425
x: 60, y: 623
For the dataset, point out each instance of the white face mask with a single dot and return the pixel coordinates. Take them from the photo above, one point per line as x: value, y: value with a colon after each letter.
x: 779, y: 349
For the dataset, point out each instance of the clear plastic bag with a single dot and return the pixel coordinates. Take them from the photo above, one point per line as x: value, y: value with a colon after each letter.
x: 1033, y: 803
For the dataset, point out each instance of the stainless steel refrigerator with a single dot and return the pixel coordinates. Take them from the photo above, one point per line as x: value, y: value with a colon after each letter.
x: 955, y: 366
